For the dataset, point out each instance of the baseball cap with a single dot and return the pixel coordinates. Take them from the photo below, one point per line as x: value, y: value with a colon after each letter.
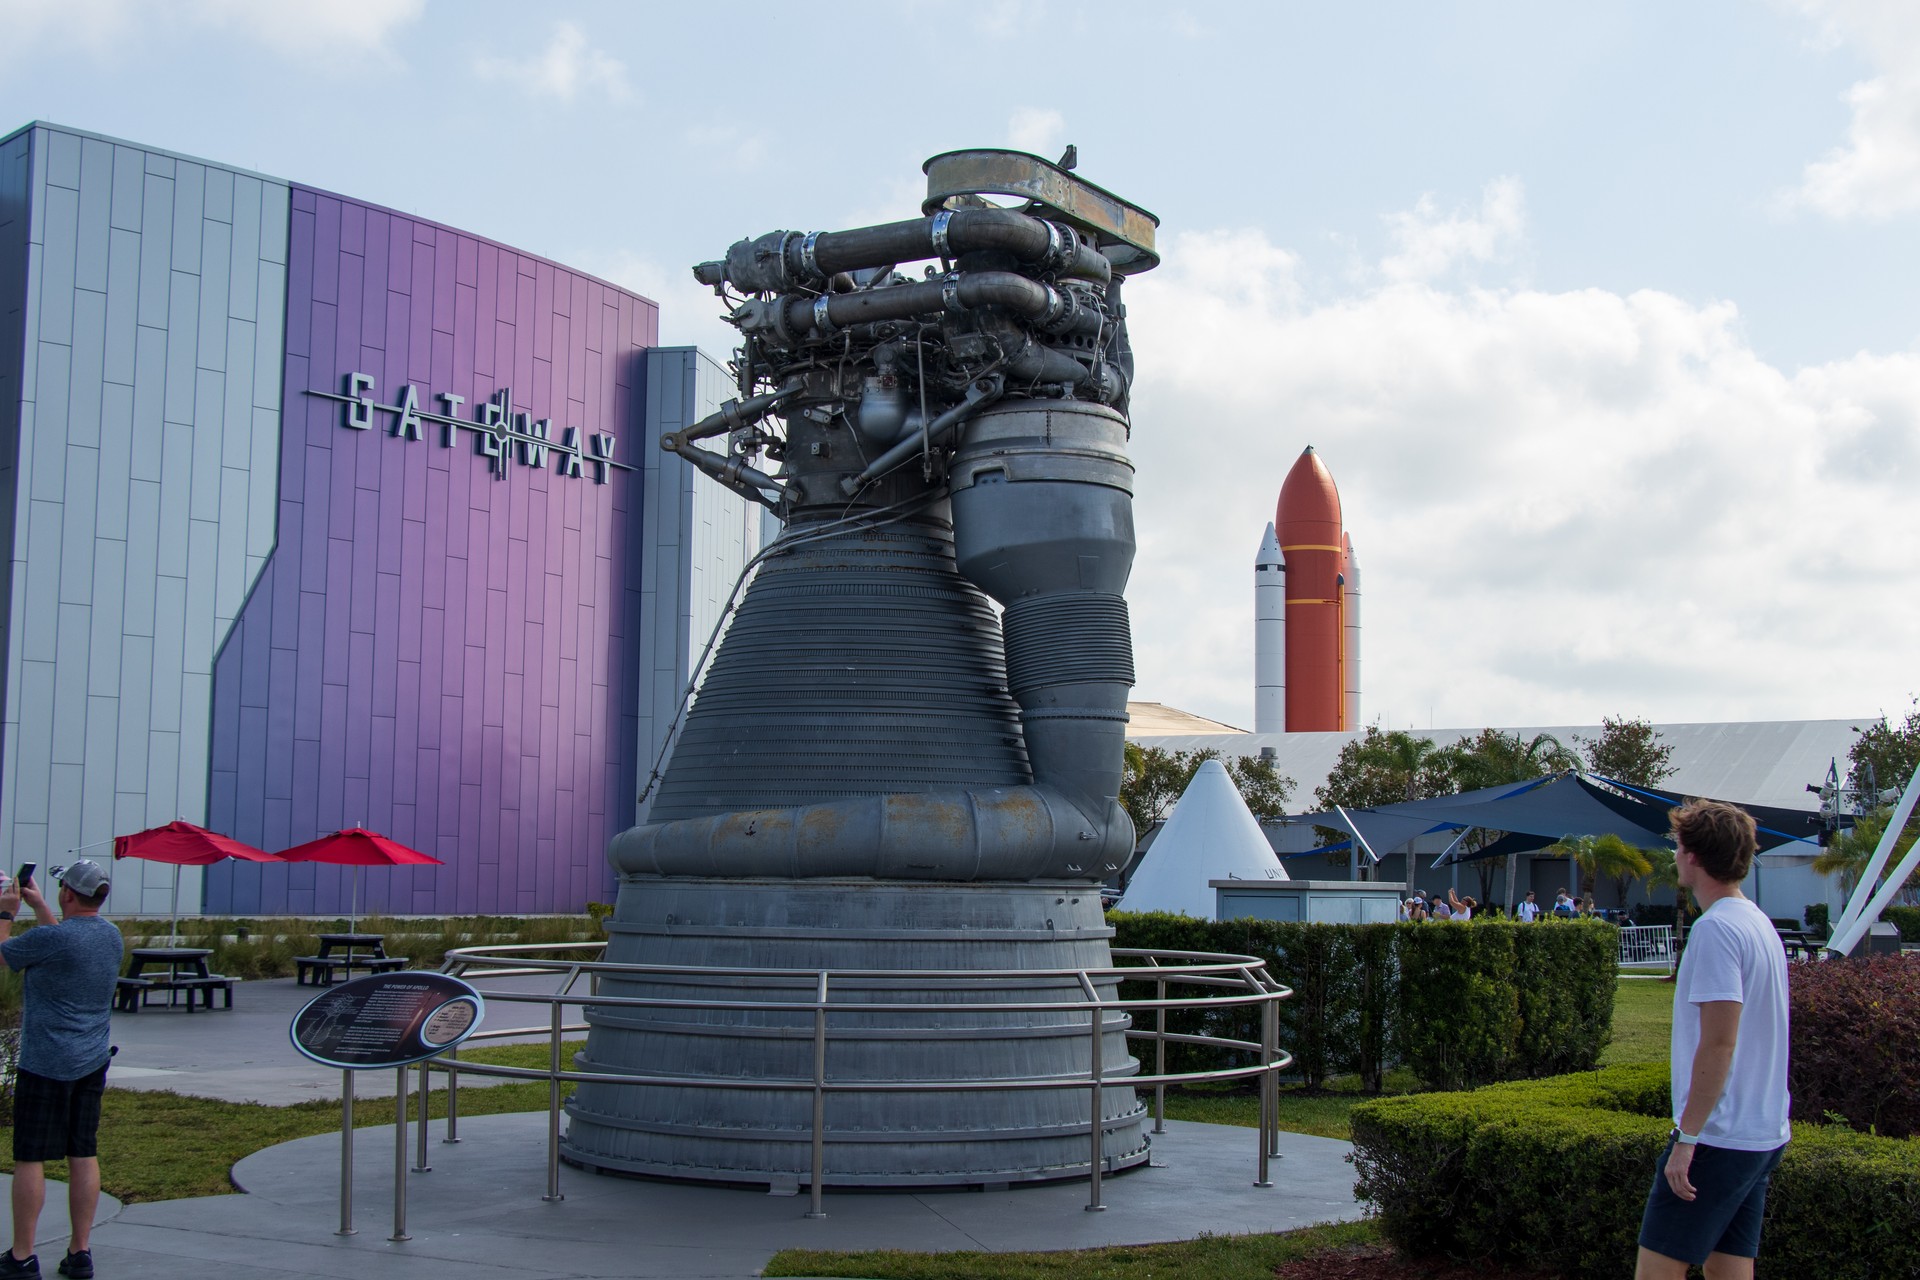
x: 85, y: 877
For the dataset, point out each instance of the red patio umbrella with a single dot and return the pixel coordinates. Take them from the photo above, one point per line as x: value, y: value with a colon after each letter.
x: 184, y: 845
x: 358, y: 848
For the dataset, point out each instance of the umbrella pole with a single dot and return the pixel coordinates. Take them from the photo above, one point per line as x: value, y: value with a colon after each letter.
x: 173, y: 930
x: 353, y: 902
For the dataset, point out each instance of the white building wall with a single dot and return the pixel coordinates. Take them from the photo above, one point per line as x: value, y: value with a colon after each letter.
x: 147, y: 468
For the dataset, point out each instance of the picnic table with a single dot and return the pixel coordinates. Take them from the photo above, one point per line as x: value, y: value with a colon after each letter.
x: 1800, y: 944
x: 173, y: 970
x: 346, y: 951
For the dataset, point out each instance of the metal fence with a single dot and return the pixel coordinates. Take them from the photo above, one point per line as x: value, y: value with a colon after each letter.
x: 1222, y: 981
x: 1646, y: 944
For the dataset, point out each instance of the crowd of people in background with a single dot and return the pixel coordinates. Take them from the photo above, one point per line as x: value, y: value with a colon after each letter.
x: 1458, y: 906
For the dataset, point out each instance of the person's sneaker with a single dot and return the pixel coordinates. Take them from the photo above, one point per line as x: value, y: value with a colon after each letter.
x: 78, y: 1265
x: 11, y: 1268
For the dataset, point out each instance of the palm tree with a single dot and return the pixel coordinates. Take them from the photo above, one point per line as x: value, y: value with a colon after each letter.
x: 1604, y: 855
x: 1411, y: 760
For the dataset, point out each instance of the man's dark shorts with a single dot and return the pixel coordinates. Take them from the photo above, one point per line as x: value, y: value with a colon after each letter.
x: 1730, y: 1199
x: 56, y: 1119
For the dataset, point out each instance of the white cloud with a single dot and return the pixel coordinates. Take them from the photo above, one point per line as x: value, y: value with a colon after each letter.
x: 1875, y: 173
x: 1428, y: 245
x: 565, y: 69
x: 1040, y: 130
x: 1568, y: 505
x: 110, y: 26
x: 351, y: 25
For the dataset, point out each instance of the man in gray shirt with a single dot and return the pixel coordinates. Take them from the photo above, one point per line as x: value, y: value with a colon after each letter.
x: 65, y: 1042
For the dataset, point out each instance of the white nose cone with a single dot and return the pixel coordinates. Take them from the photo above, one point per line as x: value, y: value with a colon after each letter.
x: 1211, y: 835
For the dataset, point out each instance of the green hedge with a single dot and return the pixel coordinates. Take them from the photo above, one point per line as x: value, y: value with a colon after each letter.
x: 1906, y: 919
x: 1459, y: 1004
x: 1552, y: 1175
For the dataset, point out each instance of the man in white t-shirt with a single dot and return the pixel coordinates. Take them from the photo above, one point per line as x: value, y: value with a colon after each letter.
x: 1529, y: 910
x: 1729, y: 1063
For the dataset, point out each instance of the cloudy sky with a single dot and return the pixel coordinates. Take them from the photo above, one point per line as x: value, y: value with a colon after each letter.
x: 1606, y: 318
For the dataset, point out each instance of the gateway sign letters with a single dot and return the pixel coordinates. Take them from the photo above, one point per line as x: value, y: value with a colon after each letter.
x: 502, y: 434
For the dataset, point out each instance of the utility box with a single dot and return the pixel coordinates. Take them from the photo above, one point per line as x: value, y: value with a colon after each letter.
x: 1882, y: 940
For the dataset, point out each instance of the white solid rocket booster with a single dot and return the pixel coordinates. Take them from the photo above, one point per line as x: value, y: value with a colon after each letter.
x: 1351, y: 638
x: 1269, y: 637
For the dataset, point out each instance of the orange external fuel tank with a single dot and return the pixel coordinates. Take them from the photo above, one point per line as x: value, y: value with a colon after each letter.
x: 1307, y: 519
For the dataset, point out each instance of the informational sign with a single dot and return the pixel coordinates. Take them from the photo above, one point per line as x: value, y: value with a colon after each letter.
x: 387, y: 1020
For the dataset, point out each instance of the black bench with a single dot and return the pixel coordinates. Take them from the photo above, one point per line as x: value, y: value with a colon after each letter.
x: 203, y: 989
x: 127, y: 993
x: 319, y: 969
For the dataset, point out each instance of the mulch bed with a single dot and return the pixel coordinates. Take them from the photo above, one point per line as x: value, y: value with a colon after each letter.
x: 1380, y: 1262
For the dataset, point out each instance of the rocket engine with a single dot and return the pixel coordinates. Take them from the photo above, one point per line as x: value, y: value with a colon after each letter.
x: 908, y: 749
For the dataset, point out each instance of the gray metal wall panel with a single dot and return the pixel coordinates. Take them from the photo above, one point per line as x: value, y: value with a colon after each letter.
x: 148, y: 424
x: 86, y: 365
x: 16, y: 205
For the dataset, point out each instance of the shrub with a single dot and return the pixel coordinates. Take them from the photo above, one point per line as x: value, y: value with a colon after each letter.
x: 1566, y: 982
x: 1499, y: 1174
x: 1656, y: 913
x: 1905, y: 919
x: 1459, y: 1007
x: 1818, y: 917
x: 1855, y: 1025
x: 1531, y: 1000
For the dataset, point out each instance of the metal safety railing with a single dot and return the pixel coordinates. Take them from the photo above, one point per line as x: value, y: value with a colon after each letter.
x: 1648, y: 944
x: 1228, y: 981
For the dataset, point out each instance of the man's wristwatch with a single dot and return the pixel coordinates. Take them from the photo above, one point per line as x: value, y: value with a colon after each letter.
x: 1684, y: 1139
x: 6, y: 915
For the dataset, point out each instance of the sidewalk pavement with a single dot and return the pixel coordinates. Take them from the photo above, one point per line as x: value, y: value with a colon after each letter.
x: 478, y: 1214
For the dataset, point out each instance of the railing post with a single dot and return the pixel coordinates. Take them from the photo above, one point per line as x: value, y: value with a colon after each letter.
x: 1093, y: 1076
x: 400, y: 1156
x: 346, y: 1154
x: 1269, y: 1098
x: 1160, y: 1057
x: 420, y: 1164
x: 553, y: 1108
x: 453, y: 1097
x: 819, y: 1160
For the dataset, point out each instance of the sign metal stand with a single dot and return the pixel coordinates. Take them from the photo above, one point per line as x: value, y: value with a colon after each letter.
x: 386, y: 1020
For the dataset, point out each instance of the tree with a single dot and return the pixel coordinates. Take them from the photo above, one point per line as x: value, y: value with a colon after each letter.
x: 1386, y: 767
x: 1493, y: 757
x: 1265, y: 789
x: 1154, y: 779
x: 1885, y: 755
x: 1848, y: 853
x: 1628, y: 751
x: 1605, y: 856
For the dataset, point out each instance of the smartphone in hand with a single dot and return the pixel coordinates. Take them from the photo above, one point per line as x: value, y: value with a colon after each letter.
x: 25, y: 875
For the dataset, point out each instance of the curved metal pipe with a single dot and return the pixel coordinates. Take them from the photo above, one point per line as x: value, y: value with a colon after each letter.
x: 1052, y: 309
x: 1011, y: 833
x: 780, y: 261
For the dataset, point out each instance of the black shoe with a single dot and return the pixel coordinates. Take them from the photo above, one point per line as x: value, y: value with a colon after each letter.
x: 78, y: 1265
x: 12, y: 1267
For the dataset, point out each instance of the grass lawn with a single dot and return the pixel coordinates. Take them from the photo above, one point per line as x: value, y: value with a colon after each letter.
x: 1642, y: 1021
x: 1208, y: 1258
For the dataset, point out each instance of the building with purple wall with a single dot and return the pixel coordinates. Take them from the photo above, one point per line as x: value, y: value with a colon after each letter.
x: 322, y: 516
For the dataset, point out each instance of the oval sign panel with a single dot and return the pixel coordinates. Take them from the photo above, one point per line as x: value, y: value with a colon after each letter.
x: 387, y: 1020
